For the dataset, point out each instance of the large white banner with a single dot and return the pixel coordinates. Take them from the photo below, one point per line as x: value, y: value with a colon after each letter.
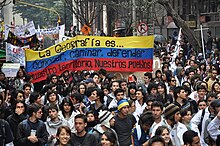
x: 16, y: 54
x: 21, y: 30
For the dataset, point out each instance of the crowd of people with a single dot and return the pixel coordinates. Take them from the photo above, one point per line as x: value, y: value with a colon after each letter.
x: 177, y: 105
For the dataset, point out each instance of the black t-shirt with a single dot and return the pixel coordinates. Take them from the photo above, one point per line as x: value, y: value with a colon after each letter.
x: 123, y: 128
x: 86, y: 140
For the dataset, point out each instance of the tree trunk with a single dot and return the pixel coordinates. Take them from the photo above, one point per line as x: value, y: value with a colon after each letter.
x: 180, y: 23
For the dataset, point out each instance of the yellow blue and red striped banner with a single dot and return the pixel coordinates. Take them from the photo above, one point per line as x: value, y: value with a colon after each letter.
x: 124, y: 54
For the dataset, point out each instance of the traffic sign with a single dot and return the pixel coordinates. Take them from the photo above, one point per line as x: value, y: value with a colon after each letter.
x: 142, y: 28
x: 85, y: 29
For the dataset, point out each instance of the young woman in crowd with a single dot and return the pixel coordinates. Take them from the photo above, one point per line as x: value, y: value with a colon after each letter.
x: 63, y: 136
x: 68, y: 112
x: 109, y: 139
x: 163, y: 96
x: 164, y: 132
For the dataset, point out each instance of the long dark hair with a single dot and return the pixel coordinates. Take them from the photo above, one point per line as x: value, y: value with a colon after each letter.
x: 159, y: 132
x: 111, y: 136
x: 69, y: 102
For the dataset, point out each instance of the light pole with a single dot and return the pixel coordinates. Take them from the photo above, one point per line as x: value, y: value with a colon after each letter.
x: 40, y: 7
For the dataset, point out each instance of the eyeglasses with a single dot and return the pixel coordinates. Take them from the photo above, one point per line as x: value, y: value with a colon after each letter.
x: 19, y: 106
x: 173, y: 80
x: 54, y: 78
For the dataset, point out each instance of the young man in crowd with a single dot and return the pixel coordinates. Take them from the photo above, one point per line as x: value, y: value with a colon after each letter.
x: 53, y: 124
x: 172, y: 117
x: 157, y: 111
x: 32, y: 131
x: 81, y: 137
x: 141, y: 133
x: 119, y: 94
x: 111, y: 96
x: 191, y: 138
x: 123, y: 123
x: 147, y: 80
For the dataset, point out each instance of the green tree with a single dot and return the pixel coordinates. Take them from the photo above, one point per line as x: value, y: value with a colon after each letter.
x: 42, y: 17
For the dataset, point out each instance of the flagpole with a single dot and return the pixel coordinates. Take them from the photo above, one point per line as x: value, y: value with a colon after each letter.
x: 203, y: 48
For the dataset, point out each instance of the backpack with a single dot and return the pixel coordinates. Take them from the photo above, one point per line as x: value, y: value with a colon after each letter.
x: 207, y: 138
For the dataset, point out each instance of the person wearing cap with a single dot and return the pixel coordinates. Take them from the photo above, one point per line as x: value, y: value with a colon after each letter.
x: 123, y: 123
x: 172, y: 117
x: 141, y: 133
x: 104, y: 124
x: 89, y: 83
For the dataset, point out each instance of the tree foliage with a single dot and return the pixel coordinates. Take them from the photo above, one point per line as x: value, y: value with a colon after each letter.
x: 40, y: 16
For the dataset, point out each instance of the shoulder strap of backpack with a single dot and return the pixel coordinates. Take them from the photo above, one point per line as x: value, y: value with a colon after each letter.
x: 138, y: 128
x: 3, y: 130
x: 202, y: 117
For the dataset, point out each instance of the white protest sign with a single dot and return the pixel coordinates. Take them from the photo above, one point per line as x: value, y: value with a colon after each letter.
x: 10, y: 69
x: 16, y: 54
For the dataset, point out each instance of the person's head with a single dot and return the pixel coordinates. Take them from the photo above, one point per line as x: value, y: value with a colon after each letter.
x: 149, y: 103
x: 21, y: 73
x: 164, y: 132
x: 20, y: 106
x: 66, y: 106
x: 123, y: 106
x: 102, y: 73
x: 132, y: 106
x: 52, y: 96
x: 216, y: 87
x: 82, y: 88
x: 97, y: 94
x: 172, y: 81
x: 186, y: 83
x: 90, y: 116
x: 156, y: 141
x: 157, y: 109
x: 95, y: 77
x: 76, y: 98
x: 54, y: 79
x: 63, y: 135
x: 123, y: 85
x: 105, y: 118
x: 35, y: 98
x: 179, y: 92
x: 27, y: 89
x: 34, y: 110
x: 214, y: 73
x: 158, y: 74
x: 80, y: 123
x: 152, y: 89
x: 53, y: 112
x: 147, y: 77
x: 114, y: 85
x: 140, y: 95
x: 146, y: 120
x: 186, y: 116
x: 19, y: 95
x: 201, y: 90
x: 210, y: 97
x: 215, y: 106
x: 161, y: 88
x: 105, y: 88
x: 131, y: 91
x: 191, y: 138
x: 172, y: 113
x: 119, y: 94
x: 109, y: 138
x: 202, y: 104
